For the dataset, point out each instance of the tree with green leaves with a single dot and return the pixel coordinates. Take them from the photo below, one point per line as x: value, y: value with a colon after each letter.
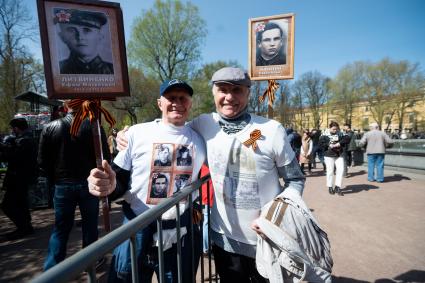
x: 409, y: 82
x: 298, y: 104
x: 142, y: 103
x: 379, y: 87
x: 311, y: 89
x: 284, y: 106
x: 166, y: 40
x: 254, y: 104
x: 346, y: 90
x: 18, y: 70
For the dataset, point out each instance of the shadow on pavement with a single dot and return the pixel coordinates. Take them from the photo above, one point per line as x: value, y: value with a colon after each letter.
x: 319, y: 173
x: 395, y: 178
x: 23, y: 259
x: 409, y: 276
x: 351, y: 189
x: 358, y: 173
x: 342, y: 279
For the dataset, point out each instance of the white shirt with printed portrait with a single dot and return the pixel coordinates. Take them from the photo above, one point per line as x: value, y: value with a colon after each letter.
x: 244, y: 179
x: 144, y: 141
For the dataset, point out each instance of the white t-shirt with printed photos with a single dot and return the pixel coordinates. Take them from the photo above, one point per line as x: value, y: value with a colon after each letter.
x: 244, y: 180
x: 151, y: 156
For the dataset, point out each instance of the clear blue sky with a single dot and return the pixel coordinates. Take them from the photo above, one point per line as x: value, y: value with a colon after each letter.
x: 328, y: 33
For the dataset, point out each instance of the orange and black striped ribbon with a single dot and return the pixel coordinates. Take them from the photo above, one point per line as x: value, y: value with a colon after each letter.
x: 270, y: 92
x: 253, y: 137
x: 87, y: 108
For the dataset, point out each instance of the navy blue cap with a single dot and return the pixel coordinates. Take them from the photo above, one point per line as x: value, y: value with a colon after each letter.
x: 175, y: 83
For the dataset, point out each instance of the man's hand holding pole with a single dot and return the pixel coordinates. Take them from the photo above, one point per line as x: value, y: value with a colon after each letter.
x: 102, y: 182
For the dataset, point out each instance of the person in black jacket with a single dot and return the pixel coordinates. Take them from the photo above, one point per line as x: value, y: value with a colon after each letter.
x: 21, y: 154
x: 349, y: 147
x: 66, y: 162
x: 332, y: 142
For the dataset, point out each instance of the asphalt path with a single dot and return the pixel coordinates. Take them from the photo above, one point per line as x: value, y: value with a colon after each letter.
x: 376, y: 230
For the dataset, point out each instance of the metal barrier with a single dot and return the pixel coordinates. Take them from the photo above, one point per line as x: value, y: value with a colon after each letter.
x: 409, y: 154
x: 86, y: 259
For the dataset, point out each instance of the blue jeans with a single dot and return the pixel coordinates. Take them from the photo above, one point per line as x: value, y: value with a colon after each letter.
x: 375, y: 160
x: 205, y: 245
x: 147, y: 256
x: 66, y: 198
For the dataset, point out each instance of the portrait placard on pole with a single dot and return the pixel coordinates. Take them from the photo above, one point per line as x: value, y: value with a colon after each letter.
x: 85, y: 60
x: 271, y: 47
x: 83, y: 49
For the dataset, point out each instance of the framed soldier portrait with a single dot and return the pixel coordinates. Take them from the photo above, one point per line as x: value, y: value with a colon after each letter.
x: 271, y: 47
x: 83, y: 49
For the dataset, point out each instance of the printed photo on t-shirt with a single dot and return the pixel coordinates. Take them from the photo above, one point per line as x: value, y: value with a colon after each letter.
x: 184, y: 156
x: 172, y: 166
x: 159, y: 187
x: 162, y: 154
x: 241, y: 194
x: 180, y: 180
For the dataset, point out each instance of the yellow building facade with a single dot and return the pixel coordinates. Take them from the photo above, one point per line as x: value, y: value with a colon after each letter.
x: 413, y: 119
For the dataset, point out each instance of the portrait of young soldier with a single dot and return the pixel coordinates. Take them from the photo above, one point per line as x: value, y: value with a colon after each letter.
x: 271, y: 39
x: 159, y: 186
x: 81, y: 32
x: 183, y: 156
x: 163, y: 156
x: 180, y: 181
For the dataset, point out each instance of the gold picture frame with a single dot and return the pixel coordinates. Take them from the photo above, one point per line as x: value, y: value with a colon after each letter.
x: 271, y: 47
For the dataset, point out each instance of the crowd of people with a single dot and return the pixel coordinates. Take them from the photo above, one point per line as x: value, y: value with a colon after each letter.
x: 247, y: 156
x: 335, y: 149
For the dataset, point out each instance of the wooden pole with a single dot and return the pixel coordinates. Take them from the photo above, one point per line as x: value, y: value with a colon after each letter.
x: 270, y: 111
x: 97, y: 140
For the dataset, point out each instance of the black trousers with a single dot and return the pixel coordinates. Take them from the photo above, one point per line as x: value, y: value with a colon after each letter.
x: 348, y: 158
x: 234, y: 268
x: 15, y: 206
x: 302, y: 167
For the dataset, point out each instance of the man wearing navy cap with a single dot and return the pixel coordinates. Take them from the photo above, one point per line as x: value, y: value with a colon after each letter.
x: 81, y: 32
x: 135, y: 174
x: 242, y: 190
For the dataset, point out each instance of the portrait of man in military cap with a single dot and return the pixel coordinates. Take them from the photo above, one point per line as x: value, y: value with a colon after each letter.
x: 81, y: 32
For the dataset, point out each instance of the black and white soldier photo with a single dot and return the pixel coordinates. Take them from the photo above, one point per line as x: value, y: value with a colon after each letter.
x: 83, y: 34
